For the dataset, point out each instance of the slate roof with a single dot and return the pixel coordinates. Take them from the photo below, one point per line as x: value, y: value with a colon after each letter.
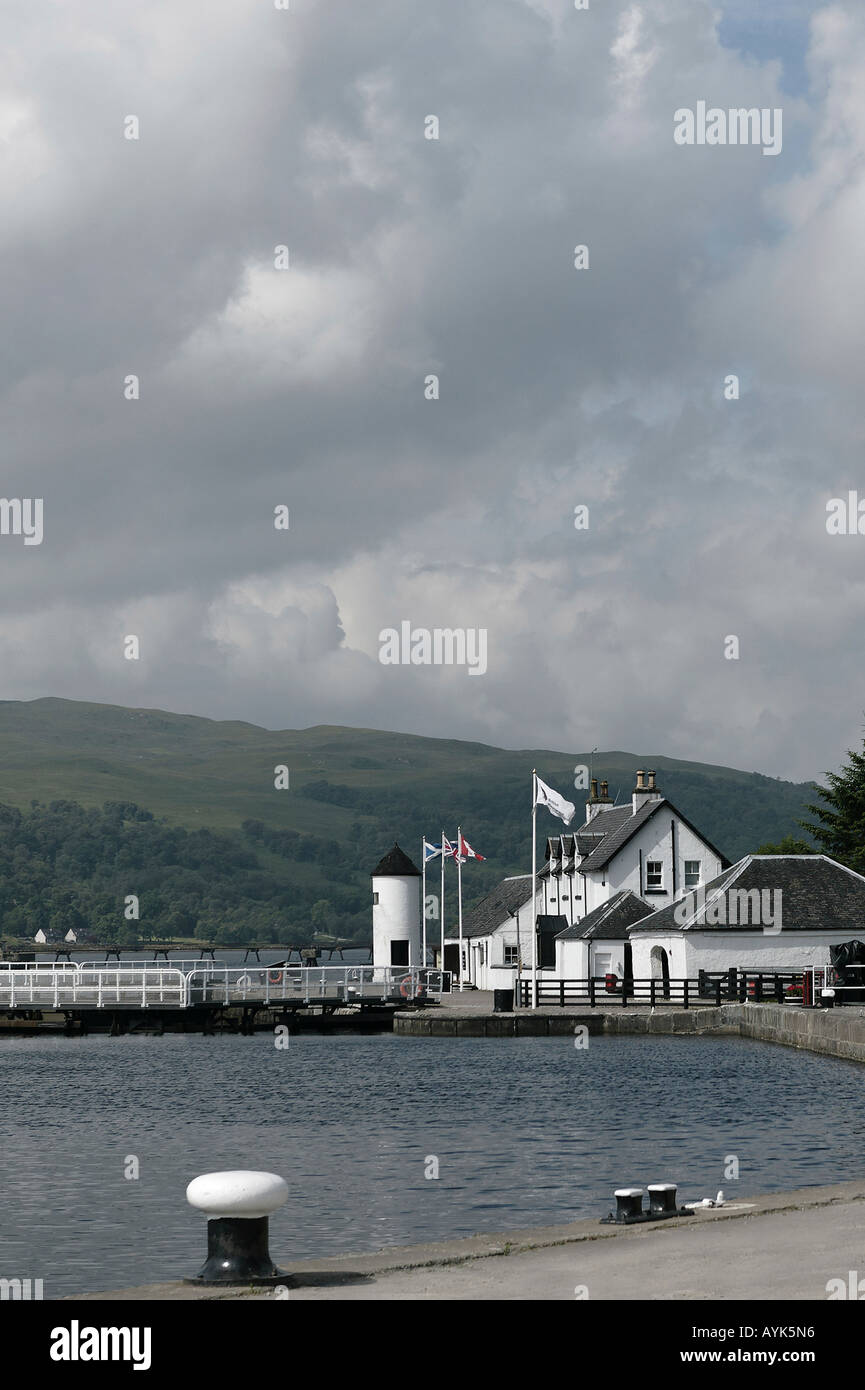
x: 495, y: 908
x: 609, y: 818
x: 610, y: 921
x: 818, y: 894
x: 396, y: 864
x: 583, y: 842
x: 612, y: 843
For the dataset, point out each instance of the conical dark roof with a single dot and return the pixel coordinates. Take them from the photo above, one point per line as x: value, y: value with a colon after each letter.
x: 395, y: 865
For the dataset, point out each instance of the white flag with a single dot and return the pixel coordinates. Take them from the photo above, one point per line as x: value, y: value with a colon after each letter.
x: 545, y: 796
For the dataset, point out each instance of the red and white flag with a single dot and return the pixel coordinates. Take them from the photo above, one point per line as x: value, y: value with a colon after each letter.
x: 448, y: 850
x: 465, y: 851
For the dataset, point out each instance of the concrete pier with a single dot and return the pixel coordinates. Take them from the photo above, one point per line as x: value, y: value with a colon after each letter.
x: 785, y: 1246
x: 835, y: 1032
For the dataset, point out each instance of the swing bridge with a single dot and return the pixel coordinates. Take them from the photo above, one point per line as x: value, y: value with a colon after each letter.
x: 209, y: 987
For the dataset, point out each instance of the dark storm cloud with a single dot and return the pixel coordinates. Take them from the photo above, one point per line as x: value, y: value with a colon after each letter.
x: 409, y: 256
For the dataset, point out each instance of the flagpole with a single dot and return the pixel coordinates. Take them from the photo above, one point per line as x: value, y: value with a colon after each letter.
x: 534, y: 890
x: 442, y: 910
x: 423, y: 899
x: 460, y: 893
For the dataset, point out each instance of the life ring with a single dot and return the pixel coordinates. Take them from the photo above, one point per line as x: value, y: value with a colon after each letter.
x: 405, y: 987
x: 274, y: 977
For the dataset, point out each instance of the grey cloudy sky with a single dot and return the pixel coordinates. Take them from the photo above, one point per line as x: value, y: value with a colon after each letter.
x: 410, y: 256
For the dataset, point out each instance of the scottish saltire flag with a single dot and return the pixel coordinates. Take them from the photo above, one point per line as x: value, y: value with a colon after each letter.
x: 430, y: 851
x: 465, y: 852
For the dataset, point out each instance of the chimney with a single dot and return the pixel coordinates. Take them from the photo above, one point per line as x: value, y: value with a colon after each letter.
x: 595, y: 803
x: 645, y: 790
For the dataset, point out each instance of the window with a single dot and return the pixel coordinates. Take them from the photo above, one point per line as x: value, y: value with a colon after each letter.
x: 375, y: 899
x: 510, y: 955
x: 654, y: 876
x: 692, y: 873
x: 399, y: 953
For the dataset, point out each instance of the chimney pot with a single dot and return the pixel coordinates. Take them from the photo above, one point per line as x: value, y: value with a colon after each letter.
x: 604, y: 792
x: 594, y: 788
x: 651, y: 781
x: 640, y: 784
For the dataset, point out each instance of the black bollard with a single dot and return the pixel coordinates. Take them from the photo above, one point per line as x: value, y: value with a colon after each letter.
x: 237, y: 1253
x: 662, y: 1199
x: 629, y: 1204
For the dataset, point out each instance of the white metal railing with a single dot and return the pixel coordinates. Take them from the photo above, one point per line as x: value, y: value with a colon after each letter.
x: 347, y: 984
x: 54, y: 987
x: 143, y: 984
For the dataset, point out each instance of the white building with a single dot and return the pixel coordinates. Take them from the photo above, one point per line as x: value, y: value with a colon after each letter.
x: 644, y: 854
x: 396, y: 933
x: 495, y: 934
x: 767, y: 912
x: 646, y: 846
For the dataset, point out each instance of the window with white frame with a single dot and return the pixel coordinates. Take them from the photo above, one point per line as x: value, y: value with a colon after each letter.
x: 654, y: 876
x: 692, y: 873
x: 510, y: 955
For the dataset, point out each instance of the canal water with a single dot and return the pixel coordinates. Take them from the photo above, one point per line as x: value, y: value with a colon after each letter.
x: 525, y: 1131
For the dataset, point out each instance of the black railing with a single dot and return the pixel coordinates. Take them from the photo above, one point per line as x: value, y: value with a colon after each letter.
x: 710, y: 987
x: 739, y: 986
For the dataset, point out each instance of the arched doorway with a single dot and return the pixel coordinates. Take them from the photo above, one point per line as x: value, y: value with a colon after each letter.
x: 660, y: 965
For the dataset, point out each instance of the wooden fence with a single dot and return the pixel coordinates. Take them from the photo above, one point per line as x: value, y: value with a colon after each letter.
x: 710, y: 987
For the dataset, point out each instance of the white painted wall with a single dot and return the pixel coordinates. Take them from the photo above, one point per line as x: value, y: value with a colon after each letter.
x: 576, y: 960
x: 654, y: 839
x: 396, y: 916
x: 690, y: 952
x: 562, y: 895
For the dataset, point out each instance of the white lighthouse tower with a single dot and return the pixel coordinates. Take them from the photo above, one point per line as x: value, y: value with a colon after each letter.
x: 396, y: 911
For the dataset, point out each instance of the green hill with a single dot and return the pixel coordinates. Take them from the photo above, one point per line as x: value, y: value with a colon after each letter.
x: 352, y: 792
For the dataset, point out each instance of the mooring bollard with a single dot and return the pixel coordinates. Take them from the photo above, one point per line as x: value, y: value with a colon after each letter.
x: 237, y: 1205
x: 629, y: 1203
x: 662, y: 1199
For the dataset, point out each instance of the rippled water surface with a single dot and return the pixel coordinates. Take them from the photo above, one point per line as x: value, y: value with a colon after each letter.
x: 527, y: 1131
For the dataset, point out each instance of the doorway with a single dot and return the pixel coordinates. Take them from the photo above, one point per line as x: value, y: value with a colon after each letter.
x: 661, y: 968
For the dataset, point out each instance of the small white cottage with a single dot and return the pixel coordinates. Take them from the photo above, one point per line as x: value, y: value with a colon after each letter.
x: 767, y: 912
x: 599, y: 944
